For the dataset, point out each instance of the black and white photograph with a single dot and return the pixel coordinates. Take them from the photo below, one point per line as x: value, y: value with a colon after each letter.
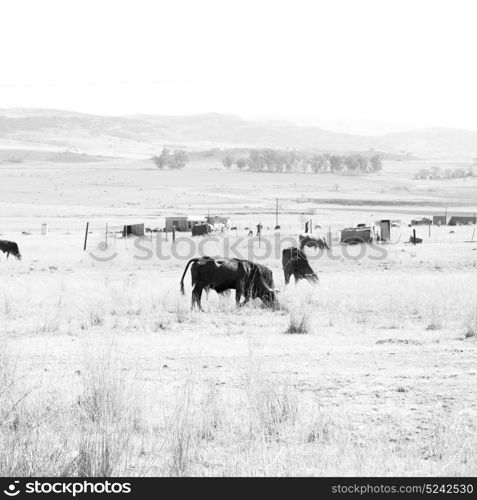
x: 237, y: 239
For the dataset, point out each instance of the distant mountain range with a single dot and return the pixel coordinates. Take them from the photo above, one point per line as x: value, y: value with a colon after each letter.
x: 144, y: 135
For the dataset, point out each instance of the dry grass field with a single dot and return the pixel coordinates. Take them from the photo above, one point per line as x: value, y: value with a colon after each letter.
x: 105, y: 370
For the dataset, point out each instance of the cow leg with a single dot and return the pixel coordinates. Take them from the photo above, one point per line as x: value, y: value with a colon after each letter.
x: 238, y: 294
x: 287, y: 273
x: 287, y: 277
x: 246, y: 297
x: 196, y: 296
x: 245, y: 301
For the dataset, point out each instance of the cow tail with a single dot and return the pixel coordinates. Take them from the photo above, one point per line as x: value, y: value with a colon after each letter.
x: 185, y: 271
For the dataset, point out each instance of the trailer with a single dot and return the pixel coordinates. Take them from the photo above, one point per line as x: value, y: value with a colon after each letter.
x: 356, y: 235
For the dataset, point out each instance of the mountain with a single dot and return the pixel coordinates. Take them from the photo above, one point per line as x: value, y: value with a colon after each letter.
x: 143, y: 135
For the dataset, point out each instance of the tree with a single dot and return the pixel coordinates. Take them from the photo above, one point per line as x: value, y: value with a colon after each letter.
x: 291, y: 159
x: 363, y: 163
x: 317, y: 162
x: 351, y: 163
x: 435, y: 172
x: 179, y: 160
x: 241, y: 163
x: 376, y: 164
x: 271, y: 159
x: 162, y: 161
x: 227, y: 162
x: 335, y: 162
x: 255, y: 160
x: 423, y: 173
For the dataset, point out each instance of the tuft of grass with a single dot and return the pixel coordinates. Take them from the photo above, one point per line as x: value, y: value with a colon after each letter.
x: 299, y: 321
x: 470, y: 324
x: 181, y: 435
x: 435, y: 319
x: 272, y: 405
x: 92, y: 319
x: 109, y: 418
x: 7, y: 307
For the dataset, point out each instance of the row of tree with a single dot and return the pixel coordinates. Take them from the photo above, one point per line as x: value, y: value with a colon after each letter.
x: 274, y: 160
x: 175, y: 160
x: 436, y: 173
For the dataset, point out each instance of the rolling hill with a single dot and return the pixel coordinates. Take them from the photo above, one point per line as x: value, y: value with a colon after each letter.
x: 143, y: 135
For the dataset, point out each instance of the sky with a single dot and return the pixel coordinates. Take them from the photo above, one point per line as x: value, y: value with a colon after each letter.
x: 362, y: 66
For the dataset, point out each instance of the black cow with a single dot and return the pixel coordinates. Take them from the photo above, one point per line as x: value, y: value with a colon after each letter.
x: 295, y: 262
x: 10, y: 247
x: 246, y: 278
x: 312, y: 241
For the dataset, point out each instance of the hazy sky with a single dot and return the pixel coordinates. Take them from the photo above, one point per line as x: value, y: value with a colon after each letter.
x: 351, y: 64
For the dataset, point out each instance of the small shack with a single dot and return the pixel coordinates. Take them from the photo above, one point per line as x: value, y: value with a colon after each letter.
x: 356, y: 235
x: 439, y: 220
x: 179, y: 222
x: 133, y: 230
x: 385, y: 230
x: 200, y: 229
x: 421, y: 221
x: 462, y: 220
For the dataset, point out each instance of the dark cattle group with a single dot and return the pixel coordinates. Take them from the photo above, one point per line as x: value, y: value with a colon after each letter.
x: 10, y: 247
x: 248, y: 279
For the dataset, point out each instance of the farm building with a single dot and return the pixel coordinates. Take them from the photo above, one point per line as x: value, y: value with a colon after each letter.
x: 200, y: 229
x: 439, y: 220
x: 133, y: 230
x: 179, y: 222
x: 421, y: 221
x: 184, y: 223
x: 394, y: 223
x: 218, y: 219
x: 462, y: 220
x: 355, y: 235
x: 385, y: 230
x: 195, y: 221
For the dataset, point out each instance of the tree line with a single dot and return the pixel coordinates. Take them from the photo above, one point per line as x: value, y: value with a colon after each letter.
x: 274, y: 160
x: 175, y: 160
x: 436, y: 173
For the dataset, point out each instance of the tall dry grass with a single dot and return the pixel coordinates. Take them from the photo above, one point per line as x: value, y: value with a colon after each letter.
x: 113, y: 419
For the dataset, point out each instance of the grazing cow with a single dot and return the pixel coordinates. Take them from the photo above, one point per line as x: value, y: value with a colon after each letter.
x: 246, y: 278
x: 295, y: 262
x: 10, y: 247
x: 313, y: 241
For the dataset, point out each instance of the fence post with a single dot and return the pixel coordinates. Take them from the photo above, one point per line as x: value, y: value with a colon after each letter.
x: 414, y: 237
x: 86, y: 236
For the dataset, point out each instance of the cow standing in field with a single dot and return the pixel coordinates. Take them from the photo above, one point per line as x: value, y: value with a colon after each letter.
x: 10, y: 247
x: 246, y: 278
x: 313, y: 242
x: 295, y: 262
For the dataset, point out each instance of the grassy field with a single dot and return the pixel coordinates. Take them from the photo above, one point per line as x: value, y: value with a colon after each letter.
x: 104, y: 370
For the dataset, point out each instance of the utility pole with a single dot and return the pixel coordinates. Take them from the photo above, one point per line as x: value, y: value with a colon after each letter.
x: 276, y: 214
